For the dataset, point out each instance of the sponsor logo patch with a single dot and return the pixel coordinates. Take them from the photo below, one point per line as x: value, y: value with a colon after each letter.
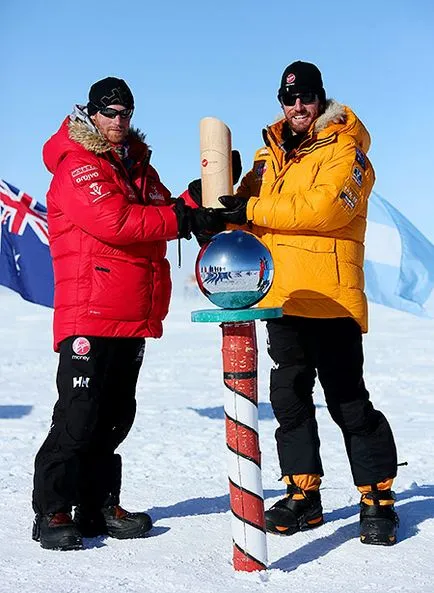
x: 80, y: 382
x: 361, y: 158
x: 96, y: 190
x: 358, y: 176
x: 290, y: 78
x: 155, y: 195
x: 346, y: 198
x: 349, y: 197
x: 87, y: 177
x: 83, y: 170
x: 81, y: 346
x: 260, y: 169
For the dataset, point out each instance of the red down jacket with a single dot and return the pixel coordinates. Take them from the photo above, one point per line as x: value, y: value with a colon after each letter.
x: 107, y: 239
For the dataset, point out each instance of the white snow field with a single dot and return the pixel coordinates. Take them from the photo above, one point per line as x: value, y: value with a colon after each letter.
x: 175, y: 468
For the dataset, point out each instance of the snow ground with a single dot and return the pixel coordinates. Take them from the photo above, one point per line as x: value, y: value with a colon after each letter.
x: 175, y: 467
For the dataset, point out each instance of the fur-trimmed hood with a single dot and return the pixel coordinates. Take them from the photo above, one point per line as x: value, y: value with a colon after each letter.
x: 336, y: 119
x: 79, y: 129
x: 92, y: 140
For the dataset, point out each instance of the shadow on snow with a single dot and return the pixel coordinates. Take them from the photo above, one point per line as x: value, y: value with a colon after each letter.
x: 411, y: 514
x: 99, y: 542
x: 18, y: 411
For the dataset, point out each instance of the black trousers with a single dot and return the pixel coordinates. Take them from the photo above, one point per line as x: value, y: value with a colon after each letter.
x: 94, y: 413
x: 300, y: 348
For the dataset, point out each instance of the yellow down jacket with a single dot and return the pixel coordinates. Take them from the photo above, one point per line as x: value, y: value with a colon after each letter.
x: 310, y: 208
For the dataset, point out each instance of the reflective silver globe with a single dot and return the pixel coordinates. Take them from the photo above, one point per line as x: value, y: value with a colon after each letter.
x: 234, y: 270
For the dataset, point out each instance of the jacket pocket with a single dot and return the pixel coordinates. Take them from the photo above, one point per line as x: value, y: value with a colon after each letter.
x: 162, y: 289
x: 309, y: 265
x: 121, y: 289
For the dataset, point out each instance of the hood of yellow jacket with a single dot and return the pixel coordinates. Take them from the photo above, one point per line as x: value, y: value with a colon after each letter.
x: 336, y: 119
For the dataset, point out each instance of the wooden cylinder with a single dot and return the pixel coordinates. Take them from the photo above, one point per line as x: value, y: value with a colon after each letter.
x: 215, y: 161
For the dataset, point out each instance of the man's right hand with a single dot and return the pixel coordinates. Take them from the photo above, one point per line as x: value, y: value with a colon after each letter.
x: 202, y: 222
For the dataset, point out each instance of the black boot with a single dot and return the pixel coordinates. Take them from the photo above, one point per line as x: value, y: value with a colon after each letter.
x: 57, y: 531
x: 122, y: 524
x: 90, y: 522
x: 100, y: 512
x: 112, y: 520
x: 378, y: 522
x: 298, y: 511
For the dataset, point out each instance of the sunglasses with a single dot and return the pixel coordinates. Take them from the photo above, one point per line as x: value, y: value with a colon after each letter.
x: 289, y: 99
x: 112, y: 113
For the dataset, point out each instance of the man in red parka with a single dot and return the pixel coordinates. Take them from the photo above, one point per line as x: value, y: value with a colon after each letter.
x: 110, y: 218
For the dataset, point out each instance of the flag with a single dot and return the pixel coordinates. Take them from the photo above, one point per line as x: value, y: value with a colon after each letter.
x: 399, y: 261
x: 25, y: 260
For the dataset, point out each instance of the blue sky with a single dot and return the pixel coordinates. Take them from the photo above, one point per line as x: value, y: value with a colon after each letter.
x: 187, y: 60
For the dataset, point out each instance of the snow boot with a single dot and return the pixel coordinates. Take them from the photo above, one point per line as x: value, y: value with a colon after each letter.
x: 57, y: 531
x: 378, y: 518
x: 99, y: 511
x: 113, y: 521
x: 299, y: 510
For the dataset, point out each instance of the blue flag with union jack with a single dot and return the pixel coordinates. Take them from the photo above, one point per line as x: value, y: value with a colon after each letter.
x: 25, y: 260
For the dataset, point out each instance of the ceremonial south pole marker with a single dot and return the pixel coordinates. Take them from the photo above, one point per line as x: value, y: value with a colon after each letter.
x: 239, y: 350
x: 235, y: 271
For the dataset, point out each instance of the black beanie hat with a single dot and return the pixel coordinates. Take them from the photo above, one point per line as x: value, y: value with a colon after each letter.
x: 301, y: 77
x: 109, y: 91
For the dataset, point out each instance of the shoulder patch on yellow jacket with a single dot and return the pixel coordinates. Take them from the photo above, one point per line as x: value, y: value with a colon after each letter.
x: 358, y: 183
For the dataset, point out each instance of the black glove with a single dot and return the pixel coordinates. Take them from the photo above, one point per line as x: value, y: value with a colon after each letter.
x: 202, y: 222
x: 235, y: 209
x: 205, y: 223
x: 183, y: 219
x: 195, y: 187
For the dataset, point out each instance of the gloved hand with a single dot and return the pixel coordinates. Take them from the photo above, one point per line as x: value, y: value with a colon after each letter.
x: 206, y: 222
x: 202, y: 222
x: 195, y: 187
x: 235, y: 209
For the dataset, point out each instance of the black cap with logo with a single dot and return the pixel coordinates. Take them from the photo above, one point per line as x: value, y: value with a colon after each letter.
x: 302, y: 77
x: 109, y: 91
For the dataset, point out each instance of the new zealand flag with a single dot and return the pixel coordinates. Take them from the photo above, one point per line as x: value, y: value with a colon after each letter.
x: 25, y: 260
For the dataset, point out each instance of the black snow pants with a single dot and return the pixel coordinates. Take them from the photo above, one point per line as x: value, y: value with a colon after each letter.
x: 300, y: 348
x: 96, y: 382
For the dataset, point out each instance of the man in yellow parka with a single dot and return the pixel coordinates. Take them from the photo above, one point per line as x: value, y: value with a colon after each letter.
x: 306, y: 198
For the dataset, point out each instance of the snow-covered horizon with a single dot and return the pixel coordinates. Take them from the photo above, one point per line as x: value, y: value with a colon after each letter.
x: 175, y: 468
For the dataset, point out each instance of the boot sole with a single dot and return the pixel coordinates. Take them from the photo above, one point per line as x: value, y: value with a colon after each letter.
x: 133, y: 533
x: 271, y: 528
x: 378, y: 540
x: 65, y: 545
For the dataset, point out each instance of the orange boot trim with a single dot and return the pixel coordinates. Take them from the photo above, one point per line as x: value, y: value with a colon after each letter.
x: 304, y: 482
x: 385, y: 485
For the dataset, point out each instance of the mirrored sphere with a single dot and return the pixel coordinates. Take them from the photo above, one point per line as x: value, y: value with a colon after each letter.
x: 234, y: 270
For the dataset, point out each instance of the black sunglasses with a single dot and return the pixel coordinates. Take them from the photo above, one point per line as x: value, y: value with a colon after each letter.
x: 289, y: 99
x: 112, y: 113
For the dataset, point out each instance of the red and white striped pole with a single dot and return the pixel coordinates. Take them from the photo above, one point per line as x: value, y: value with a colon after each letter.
x: 240, y: 363
x: 244, y: 458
